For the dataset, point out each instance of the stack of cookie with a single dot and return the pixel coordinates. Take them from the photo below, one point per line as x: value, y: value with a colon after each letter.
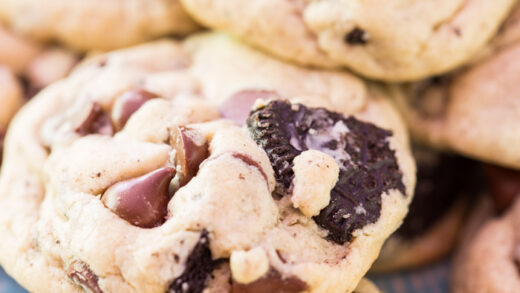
x: 279, y: 154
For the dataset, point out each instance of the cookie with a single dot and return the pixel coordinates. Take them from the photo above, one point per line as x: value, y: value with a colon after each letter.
x: 128, y: 176
x: 84, y: 26
x: 392, y: 40
x: 11, y: 99
x: 473, y: 111
x: 490, y: 262
x: 446, y: 184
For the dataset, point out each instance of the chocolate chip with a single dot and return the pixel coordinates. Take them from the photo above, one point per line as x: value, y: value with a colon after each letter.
x: 95, y: 121
x: 504, y: 185
x: 198, y: 269
x: 273, y: 282
x: 80, y: 273
x: 141, y: 201
x: 191, y: 149
x: 356, y: 36
x: 239, y: 105
x: 442, y: 179
x: 368, y: 167
x: 127, y: 104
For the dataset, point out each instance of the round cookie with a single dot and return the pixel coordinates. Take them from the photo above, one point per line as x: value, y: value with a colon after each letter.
x: 445, y: 184
x: 388, y: 40
x: 473, y: 111
x: 490, y: 262
x: 125, y: 178
x: 99, y: 24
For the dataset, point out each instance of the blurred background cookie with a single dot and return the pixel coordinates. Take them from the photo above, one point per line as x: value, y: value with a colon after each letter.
x: 474, y: 110
x: 98, y: 24
x: 446, y: 185
x: 388, y: 40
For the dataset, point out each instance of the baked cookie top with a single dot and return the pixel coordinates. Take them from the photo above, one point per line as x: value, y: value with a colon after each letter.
x: 397, y: 40
x: 98, y: 24
x: 473, y: 110
x: 135, y: 174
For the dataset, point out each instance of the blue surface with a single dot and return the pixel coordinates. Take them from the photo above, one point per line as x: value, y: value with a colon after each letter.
x: 8, y: 285
x: 433, y: 279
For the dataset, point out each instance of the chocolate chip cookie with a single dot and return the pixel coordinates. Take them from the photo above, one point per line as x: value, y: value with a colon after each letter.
x: 388, y: 40
x: 133, y: 175
x: 473, y: 111
x: 99, y: 24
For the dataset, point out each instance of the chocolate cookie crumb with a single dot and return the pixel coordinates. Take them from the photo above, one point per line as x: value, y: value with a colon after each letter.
x: 356, y: 36
x: 199, y: 267
x: 80, y: 273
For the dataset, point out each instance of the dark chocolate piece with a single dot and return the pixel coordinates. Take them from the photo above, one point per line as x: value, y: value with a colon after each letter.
x: 141, y: 201
x: 504, y: 185
x: 356, y: 36
x: 96, y: 121
x: 239, y: 105
x: 442, y: 179
x: 199, y: 267
x: 80, y: 273
x: 191, y: 149
x: 368, y: 167
x: 272, y: 282
x: 127, y: 104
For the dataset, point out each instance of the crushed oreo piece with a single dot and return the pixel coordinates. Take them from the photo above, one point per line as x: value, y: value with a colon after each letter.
x: 199, y: 267
x: 356, y: 36
x: 96, y: 121
x: 368, y: 167
x: 272, y: 282
x: 80, y: 273
x: 442, y: 179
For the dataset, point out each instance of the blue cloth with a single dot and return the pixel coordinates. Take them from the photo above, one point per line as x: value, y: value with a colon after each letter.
x: 8, y: 285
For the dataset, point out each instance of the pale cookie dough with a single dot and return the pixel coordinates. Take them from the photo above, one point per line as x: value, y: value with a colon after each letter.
x: 11, y: 99
x: 159, y: 193
x: 399, y: 40
x: 474, y: 111
x: 96, y: 24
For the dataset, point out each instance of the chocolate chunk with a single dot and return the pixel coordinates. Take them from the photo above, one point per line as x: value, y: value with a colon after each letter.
x: 191, y: 149
x: 95, y: 121
x: 141, y: 201
x: 368, y: 167
x: 80, y: 273
x: 239, y: 105
x: 356, y: 36
x: 127, y: 104
x: 273, y: 282
x: 198, y: 269
x: 442, y: 179
x: 504, y: 185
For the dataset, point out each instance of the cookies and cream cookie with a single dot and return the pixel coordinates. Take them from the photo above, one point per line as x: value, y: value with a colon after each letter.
x: 132, y: 175
x: 389, y: 40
